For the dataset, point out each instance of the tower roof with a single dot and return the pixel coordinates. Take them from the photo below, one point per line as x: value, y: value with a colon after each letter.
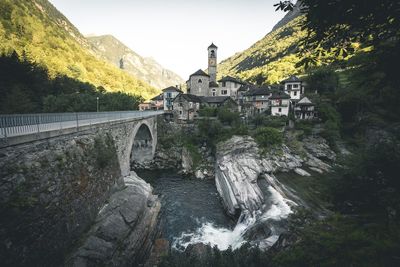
x: 212, y: 46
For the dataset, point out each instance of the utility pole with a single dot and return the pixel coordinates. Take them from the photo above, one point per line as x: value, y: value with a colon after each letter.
x: 97, y: 98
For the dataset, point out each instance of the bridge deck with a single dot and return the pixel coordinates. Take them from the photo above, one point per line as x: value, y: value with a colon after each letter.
x: 45, y: 125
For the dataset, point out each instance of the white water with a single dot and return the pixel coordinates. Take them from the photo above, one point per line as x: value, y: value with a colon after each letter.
x: 223, y: 238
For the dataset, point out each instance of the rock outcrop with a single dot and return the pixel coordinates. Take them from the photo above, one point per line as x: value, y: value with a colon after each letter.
x: 124, y: 229
x: 239, y: 164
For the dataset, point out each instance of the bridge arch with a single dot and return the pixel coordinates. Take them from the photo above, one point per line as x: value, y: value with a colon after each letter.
x: 143, y: 145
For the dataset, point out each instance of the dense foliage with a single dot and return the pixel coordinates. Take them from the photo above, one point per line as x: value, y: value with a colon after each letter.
x: 27, y: 88
x: 268, y: 137
x: 39, y: 33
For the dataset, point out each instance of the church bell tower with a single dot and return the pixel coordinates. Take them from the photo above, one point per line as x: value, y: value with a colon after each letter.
x: 212, y: 62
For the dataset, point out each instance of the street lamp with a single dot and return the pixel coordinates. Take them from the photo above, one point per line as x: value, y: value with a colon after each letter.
x: 97, y: 104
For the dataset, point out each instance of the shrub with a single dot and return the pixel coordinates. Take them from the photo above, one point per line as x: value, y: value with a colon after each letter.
x: 227, y: 116
x: 208, y: 112
x: 267, y: 137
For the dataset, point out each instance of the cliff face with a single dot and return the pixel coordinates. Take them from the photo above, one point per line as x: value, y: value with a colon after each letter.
x: 146, y: 69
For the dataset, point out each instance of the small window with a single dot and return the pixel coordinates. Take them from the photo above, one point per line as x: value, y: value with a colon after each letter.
x: 200, y: 81
x: 180, y: 112
x: 223, y: 84
x: 280, y: 110
x: 289, y: 87
x: 224, y: 92
x: 295, y: 93
x: 295, y: 86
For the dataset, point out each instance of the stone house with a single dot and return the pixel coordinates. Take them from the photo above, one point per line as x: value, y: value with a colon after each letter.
x: 229, y: 86
x: 157, y: 102
x: 186, y: 107
x: 258, y: 97
x: 168, y: 95
x: 220, y: 101
x: 305, y: 110
x: 293, y: 86
x: 280, y: 103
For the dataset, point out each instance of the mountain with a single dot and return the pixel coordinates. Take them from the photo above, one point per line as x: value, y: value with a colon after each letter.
x: 37, y: 31
x: 147, y: 69
x: 270, y: 59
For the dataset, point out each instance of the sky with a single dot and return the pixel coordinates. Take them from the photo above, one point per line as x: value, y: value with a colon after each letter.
x: 176, y: 33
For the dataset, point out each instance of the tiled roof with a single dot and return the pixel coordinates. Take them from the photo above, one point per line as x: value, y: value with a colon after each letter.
x: 291, y: 79
x: 231, y: 79
x: 191, y: 98
x: 305, y: 102
x: 200, y: 73
x: 215, y: 99
x: 172, y: 88
x: 279, y: 95
x: 159, y: 97
x: 263, y: 90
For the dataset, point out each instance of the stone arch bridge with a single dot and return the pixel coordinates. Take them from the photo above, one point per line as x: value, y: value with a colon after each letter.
x: 134, y: 132
x: 56, y: 173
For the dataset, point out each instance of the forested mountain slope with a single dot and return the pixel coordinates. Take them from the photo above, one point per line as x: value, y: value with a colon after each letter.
x: 271, y: 58
x: 38, y: 32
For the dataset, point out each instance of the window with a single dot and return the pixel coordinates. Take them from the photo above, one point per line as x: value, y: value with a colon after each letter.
x: 212, y: 54
x: 190, y: 104
x: 180, y: 112
x: 295, y: 93
x: 200, y: 81
x: 223, y: 84
x: 169, y: 95
x: 224, y: 92
x: 280, y: 110
x: 295, y: 86
x: 289, y: 87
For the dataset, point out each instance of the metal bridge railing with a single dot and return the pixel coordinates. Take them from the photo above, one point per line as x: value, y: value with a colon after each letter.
x: 22, y: 124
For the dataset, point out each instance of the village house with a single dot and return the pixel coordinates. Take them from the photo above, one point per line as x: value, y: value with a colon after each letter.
x: 229, y: 86
x: 280, y: 103
x: 305, y: 110
x: 258, y: 97
x: 168, y: 95
x: 145, y: 106
x: 157, y: 102
x: 220, y: 101
x: 186, y: 107
x: 293, y: 86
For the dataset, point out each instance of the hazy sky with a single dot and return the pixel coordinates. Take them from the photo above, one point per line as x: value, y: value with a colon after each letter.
x: 176, y: 33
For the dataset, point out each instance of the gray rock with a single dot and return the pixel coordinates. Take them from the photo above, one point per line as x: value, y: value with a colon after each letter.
x: 124, y: 229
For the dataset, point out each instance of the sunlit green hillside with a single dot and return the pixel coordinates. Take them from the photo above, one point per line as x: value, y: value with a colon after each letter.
x: 272, y: 58
x: 40, y: 33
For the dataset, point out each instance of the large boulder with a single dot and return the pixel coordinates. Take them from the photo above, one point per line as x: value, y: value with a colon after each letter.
x: 124, y: 229
x: 237, y: 169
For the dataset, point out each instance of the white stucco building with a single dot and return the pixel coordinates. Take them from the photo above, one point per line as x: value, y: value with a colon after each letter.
x: 280, y: 103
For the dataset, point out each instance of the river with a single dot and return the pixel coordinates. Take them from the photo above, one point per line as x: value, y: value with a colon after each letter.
x: 192, y: 212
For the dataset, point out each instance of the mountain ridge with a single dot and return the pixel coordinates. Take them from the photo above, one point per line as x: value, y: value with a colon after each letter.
x: 109, y: 48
